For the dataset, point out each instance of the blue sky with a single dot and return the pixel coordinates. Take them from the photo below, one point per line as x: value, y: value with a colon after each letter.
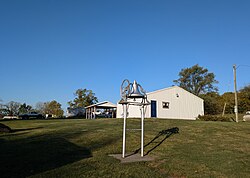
x: 51, y: 48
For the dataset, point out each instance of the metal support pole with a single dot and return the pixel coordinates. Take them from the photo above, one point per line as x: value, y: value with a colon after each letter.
x: 94, y: 112
x: 91, y: 115
x: 124, y: 129
x: 142, y: 130
x: 235, y: 93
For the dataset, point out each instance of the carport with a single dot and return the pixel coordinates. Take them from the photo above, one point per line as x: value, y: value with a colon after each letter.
x: 108, y: 107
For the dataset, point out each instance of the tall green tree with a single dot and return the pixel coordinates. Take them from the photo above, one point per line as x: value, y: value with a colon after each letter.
x: 197, y: 80
x: 24, y: 108
x: 83, y: 98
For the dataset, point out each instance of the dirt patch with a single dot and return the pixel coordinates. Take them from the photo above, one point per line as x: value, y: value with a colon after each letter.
x: 4, y: 128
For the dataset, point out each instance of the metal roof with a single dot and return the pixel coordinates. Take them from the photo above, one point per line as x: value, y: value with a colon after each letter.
x: 169, y: 88
x: 104, y: 104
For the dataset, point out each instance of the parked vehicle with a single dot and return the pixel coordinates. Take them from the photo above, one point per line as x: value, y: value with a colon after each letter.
x: 74, y: 112
x: 31, y: 115
x: 247, y: 116
x: 10, y: 117
x: 104, y: 114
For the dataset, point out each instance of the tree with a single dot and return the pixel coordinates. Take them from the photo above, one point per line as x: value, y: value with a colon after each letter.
x: 53, y: 108
x: 24, y: 108
x: 13, y: 108
x: 244, y: 99
x: 228, y: 98
x: 197, y: 80
x: 212, y: 103
x: 3, y: 110
x: 83, y: 98
x: 40, y: 108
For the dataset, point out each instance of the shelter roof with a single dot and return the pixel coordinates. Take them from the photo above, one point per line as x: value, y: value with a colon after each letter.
x: 104, y: 104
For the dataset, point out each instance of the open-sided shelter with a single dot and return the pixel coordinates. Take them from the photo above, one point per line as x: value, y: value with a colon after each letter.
x: 108, y: 110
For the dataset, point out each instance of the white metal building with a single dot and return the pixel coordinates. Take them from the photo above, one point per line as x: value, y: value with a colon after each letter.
x: 172, y: 103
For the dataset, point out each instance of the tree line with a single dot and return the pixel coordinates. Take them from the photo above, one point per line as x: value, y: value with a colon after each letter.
x: 202, y: 83
x: 225, y: 103
x: 196, y: 79
x: 83, y: 98
x: 13, y: 108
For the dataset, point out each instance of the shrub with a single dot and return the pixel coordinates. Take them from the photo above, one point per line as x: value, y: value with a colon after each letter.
x: 215, y: 118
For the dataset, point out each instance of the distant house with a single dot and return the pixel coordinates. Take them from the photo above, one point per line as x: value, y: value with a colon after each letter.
x: 169, y: 103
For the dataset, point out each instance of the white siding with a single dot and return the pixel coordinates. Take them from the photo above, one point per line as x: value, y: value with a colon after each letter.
x: 133, y: 111
x: 182, y: 105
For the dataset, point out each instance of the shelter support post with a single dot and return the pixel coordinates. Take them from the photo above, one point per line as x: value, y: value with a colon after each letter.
x: 91, y: 115
x: 94, y: 112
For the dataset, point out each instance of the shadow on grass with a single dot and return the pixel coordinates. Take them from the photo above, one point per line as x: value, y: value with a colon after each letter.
x: 19, y: 130
x: 13, y: 132
x: 30, y: 156
x: 158, y: 139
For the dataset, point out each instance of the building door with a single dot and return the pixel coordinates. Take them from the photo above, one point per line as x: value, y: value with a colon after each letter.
x: 153, y: 109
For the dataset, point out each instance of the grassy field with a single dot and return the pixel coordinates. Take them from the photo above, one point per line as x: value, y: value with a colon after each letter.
x: 80, y: 148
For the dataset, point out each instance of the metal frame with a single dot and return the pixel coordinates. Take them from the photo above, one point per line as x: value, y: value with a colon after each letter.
x: 133, y: 91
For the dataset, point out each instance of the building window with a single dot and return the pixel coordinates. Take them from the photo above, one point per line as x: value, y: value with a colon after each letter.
x: 165, y: 105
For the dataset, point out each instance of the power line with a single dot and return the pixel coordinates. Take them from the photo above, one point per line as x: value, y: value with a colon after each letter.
x: 242, y: 66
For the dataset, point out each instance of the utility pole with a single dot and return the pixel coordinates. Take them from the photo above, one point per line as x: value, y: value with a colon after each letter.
x: 224, y: 108
x: 235, y: 94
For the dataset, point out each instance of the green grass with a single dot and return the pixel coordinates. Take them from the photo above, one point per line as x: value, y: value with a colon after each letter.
x: 80, y: 148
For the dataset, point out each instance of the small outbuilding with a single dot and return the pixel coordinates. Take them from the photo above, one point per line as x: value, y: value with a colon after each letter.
x: 169, y: 103
x: 102, y: 109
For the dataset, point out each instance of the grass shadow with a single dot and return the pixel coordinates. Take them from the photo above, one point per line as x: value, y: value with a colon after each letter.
x: 33, y: 155
x: 28, y: 129
x: 13, y: 132
x: 158, y: 140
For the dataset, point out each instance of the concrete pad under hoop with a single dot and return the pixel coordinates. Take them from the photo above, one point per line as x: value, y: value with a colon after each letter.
x: 129, y: 158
